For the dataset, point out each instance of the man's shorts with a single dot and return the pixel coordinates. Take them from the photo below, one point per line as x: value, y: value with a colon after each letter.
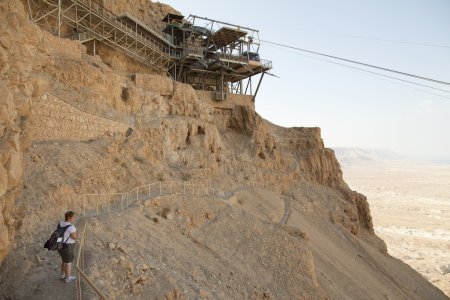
x: 67, y: 253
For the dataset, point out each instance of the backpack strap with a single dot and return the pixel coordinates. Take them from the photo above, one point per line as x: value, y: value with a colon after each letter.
x: 65, y: 229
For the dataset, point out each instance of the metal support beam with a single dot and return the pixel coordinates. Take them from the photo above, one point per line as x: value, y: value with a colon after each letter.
x: 90, y: 18
x: 257, y: 88
x: 246, y: 88
x: 224, y: 23
x: 226, y: 73
x: 59, y: 18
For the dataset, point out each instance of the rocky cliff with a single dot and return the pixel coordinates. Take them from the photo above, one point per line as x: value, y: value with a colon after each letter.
x: 16, y: 90
x: 91, y: 124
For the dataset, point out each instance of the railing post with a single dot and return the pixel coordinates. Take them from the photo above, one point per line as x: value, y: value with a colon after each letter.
x: 149, y: 190
x: 84, y: 247
x: 121, y: 200
x: 160, y: 188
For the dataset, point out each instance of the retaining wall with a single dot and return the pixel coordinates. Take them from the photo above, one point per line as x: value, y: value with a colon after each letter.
x: 53, y: 119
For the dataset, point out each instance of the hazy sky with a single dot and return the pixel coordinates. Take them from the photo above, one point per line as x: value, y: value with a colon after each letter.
x: 353, y: 108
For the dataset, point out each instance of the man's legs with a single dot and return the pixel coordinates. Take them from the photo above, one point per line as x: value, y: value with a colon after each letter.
x: 67, y: 269
x: 63, y: 270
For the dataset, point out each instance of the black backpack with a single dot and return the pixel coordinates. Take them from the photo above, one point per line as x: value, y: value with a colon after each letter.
x: 55, y: 242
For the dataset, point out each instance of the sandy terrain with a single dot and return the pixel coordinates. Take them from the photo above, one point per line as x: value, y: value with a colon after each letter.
x: 184, y: 247
x: 61, y: 141
x: 410, y: 205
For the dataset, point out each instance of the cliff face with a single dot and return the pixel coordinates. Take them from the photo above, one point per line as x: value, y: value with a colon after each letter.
x: 96, y: 124
x: 280, y: 158
x: 24, y: 49
x: 151, y: 13
x: 36, y: 108
x: 16, y: 91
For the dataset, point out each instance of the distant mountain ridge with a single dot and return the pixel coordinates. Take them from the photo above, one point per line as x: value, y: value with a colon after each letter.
x: 351, y: 155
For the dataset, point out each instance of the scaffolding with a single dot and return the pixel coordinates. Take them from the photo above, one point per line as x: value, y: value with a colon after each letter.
x: 208, y: 54
x: 216, y: 56
x: 87, y: 20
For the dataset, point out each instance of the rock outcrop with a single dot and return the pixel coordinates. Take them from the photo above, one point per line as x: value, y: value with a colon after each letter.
x: 15, y: 96
x: 109, y: 124
x: 24, y: 49
x: 34, y: 109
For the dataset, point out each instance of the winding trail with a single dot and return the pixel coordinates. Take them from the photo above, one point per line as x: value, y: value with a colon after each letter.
x: 99, y: 204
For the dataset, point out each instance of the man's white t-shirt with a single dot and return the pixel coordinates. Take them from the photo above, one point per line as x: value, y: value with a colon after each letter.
x: 68, y: 232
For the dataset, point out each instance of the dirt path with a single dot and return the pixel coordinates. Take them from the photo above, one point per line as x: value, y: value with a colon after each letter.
x: 39, y: 276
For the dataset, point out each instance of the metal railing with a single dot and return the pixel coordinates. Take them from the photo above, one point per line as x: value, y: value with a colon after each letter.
x: 266, y: 63
x: 90, y: 205
x: 113, y: 18
x: 109, y: 202
x: 96, y: 22
x: 82, y: 278
x: 193, y: 52
x: 232, y: 57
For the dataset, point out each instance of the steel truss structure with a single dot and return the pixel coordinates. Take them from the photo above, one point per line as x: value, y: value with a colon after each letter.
x: 215, y: 55
x: 89, y: 20
x: 208, y: 54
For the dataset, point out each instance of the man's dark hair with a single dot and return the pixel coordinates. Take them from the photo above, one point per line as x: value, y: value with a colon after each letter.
x: 69, y: 215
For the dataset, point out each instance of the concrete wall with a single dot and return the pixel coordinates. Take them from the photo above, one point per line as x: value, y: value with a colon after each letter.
x: 53, y: 119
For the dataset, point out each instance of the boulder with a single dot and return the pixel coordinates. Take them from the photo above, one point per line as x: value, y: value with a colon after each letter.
x: 3, y: 180
x: 14, y: 167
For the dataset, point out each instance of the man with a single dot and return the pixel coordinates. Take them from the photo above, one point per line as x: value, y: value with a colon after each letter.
x: 67, y: 252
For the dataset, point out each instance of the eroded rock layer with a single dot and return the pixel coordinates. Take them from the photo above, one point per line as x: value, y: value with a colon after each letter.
x: 72, y: 123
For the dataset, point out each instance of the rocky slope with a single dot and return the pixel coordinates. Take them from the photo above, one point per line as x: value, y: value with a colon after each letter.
x: 70, y: 149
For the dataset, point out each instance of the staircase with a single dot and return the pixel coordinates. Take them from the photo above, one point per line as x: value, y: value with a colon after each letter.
x: 91, y: 21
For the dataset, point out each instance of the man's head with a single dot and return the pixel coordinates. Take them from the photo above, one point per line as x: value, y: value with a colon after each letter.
x: 69, y: 216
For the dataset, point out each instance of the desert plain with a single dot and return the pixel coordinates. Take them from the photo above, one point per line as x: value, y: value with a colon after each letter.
x: 410, y: 206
